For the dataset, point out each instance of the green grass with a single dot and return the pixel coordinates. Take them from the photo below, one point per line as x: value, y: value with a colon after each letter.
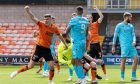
x: 30, y: 77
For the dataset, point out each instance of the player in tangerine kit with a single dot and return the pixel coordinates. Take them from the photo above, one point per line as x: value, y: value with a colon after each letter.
x: 52, y: 47
x: 95, y: 49
x: 42, y: 49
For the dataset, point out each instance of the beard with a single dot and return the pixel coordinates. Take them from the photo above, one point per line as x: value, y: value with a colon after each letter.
x: 128, y: 21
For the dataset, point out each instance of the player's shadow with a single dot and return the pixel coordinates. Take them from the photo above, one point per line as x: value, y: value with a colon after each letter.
x: 67, y: 82
x: 125, y: 82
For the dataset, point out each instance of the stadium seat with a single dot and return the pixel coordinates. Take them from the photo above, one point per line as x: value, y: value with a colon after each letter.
x: 31, y: 42
x: 2, y: 46
x: 1, y: 39
x: 2, y: 31
x: 8, y: 39
x: 11, y: 28
x: 2, y: 50
x: 5, y: 25
x: 19, y: 42
x: 19, y: 24
x: 29, y: 31
x: 7, y: 32
x: 21, y: 31
x: 30, y: 46
x: 25, y: 43
x: 12, y: 43
x: 2, y: 28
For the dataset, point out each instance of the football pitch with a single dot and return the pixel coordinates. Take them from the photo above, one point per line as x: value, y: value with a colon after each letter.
x: 30, y: 77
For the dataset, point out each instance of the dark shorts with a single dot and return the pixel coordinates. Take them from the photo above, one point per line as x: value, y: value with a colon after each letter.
x: 40, y: 52
x: 95, y: 51
x: 84, y: 61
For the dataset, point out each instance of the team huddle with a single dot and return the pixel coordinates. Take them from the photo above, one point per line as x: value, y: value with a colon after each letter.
x: 80, y: 47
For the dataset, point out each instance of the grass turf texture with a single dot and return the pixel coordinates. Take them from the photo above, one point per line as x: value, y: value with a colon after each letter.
x: 30, y: 77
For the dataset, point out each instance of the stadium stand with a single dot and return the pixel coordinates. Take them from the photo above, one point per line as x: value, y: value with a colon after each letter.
x: 17, y: 38
x: 107, y: 45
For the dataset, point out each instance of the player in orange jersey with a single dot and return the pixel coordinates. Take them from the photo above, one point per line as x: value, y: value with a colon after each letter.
x: 95, y: 49
x: 42, y: 49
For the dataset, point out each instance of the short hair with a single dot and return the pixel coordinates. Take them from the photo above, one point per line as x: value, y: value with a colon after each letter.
x: 126, y: 14
x: 53, y: 17
x: 79, y: 8
x: 48, y: 15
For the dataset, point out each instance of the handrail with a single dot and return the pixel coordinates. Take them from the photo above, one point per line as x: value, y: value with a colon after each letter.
x: 114, y: 4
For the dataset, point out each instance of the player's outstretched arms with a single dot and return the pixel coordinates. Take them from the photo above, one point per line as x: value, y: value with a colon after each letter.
x: 31, y: 15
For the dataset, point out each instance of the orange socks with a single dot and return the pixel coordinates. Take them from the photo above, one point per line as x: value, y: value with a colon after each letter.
x: 93, y: 74
x: 104, y: 68
x: 23, y: 68
x: 51, y: 74
x: 57, y: 66
x: 85, y: 71
x: 41, y: 64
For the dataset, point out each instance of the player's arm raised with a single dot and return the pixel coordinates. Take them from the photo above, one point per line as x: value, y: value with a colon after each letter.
x: 68, y: 31
x: 31, y: 15
x: 100, y: 14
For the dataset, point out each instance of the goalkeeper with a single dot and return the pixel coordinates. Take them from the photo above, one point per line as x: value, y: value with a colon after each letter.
x: 65, y: 56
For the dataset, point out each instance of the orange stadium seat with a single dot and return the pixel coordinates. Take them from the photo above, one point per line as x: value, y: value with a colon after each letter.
x: 2, y: 28
x: 1, y: 39
x: 2, y: 31
x: 29, y: 28
x: 11, y: 28
x: 18, y: 27
x: 2, y: 50
x: 8, y: 39
x: 7, y: 51
x: 29, y: 31
x: 2, y: 46
x: 12, y: 43
x: 17, y: 38
x: 21, y: 31
x: 31, y: 42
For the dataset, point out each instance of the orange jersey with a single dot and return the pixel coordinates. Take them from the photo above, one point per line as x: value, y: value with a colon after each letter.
x: 94, y: 32
x: 88, y: 42
x: 45, y: 34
